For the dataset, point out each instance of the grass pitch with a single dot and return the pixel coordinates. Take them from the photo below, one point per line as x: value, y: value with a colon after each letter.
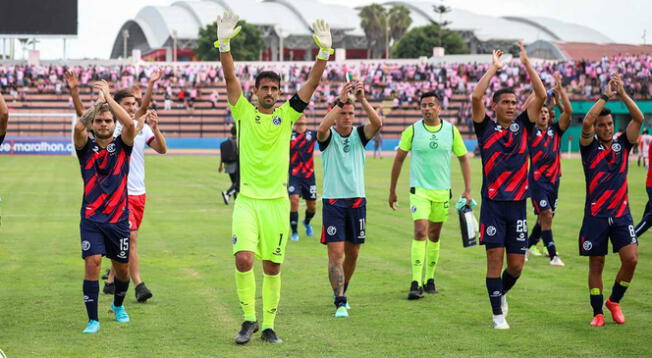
x: 185, y: 247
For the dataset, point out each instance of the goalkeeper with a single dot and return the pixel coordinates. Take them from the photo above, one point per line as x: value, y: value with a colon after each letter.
x: 261, y: 215
x: 431, y: 141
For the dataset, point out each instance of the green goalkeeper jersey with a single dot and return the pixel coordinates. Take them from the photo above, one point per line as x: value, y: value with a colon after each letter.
x: 264, y: 145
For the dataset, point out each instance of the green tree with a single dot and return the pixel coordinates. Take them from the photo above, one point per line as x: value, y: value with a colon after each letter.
x: 372, y: 21
x: 399, y: 21
x: 420, y: 40
x: 246, y: 46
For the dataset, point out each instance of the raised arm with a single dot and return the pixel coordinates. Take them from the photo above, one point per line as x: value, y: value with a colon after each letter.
x: 158, y: 143
x: 73, y: 85
x: 322, y: 37
x: 396, y: 172
x: 634, y: 127
x: 128, y: 127
x: 588, y: 131
x: 539, y: 90
x: 226, y: 30
x: 147, y: 100
x: 4, y: 115
x: 562, y: 97
x: 477, y: 96
x: 323, y: 132
x: 375, y: 123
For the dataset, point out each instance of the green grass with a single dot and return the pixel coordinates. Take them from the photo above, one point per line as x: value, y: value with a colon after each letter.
x: 185, y: 245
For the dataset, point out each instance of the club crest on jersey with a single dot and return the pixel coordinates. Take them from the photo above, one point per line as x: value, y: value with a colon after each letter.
x: 308, y: 136
x: 550, y: 132
x: 514, y: 127
x: 413, y: 209
x: 86, y: 245
x: 587, y: 245
x: 110, y: 148
x: 346, y: 146
x: 276, y: 120
x: 491, y: 230
x: 331, y: 230
x: 616, y: 147
x: 434, y: 145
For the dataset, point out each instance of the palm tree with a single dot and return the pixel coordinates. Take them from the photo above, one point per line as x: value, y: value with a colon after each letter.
x: 372, y: 21
x: 399, y: 21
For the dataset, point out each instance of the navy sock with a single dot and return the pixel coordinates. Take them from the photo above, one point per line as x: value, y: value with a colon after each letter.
x: 91, y: 291
x: 596, y: 303
x: 121, y: 288
x: 546, y: 236
x: 340, y: 301
x: 495, y: 290
x: 534, y: 237
x: 508, y: 281
x: 309, y: 216
x: 617, y: 292
x: 294, y: 218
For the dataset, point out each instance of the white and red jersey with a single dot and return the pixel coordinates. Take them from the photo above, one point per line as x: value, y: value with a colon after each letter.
x: 136, y: 179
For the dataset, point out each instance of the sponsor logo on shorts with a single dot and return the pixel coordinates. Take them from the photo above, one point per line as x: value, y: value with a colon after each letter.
x: 86, y: 245
x: 543, y: 203
x: 110, y: 148
x: 362, y: 235
x: 514, y: 127
x: 616, y: 147
x: 521, y: 237
x: 413, y: 209
x: 331, y: 230
x: 491, y: 230
x: 276, y: 120
x: 291, y: 188
x: 234, y: 239
x: 587, y: 245
x: 122, y: 255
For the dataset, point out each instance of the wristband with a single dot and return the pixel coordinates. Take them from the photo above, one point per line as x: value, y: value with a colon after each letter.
x: 604, y: 97
x: 223, y: 46
x: 325, y: 53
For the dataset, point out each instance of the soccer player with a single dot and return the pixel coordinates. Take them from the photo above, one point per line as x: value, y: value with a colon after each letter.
x: 646, y: 221
x: 302, y: 176
x: 645, y: 146
x: 344, y: 214
x: 4, y: 118
x: 104, y: 227
x: 261, y: 213
x: 544, y: 144
x: 229, y: 156
x: 504, y: 153
x: 431, y: 141
x: 147, y: 134
x: 606, y: 210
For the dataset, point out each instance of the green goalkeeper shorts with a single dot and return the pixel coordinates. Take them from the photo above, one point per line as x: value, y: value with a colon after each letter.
x: 261, y: 226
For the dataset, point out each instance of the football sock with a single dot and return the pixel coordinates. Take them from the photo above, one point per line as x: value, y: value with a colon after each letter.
x: 495, y: 290
x: 433, y: 258
x: 294, y: 218
x: 596, y: 301
x: 271, y: 297
x: 91, y: 290
x: 536, y: 234
x: 417, y: 256
x: 546, y: 236
x: 245, y: 283
x: 309, y: 216
x: 340, y: 301
x: 121, y: 288
x: 508, y: 281
x: 618, y: 291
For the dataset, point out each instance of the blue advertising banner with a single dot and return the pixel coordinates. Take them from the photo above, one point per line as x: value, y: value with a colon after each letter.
x: 36, y: 146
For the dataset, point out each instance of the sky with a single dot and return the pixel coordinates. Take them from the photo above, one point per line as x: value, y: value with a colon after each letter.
x: 99, y: 22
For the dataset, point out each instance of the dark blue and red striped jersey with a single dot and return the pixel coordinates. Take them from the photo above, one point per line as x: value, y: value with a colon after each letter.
x: 605, y: 170
x: 504, y: 153
x: 353, y: 203
x: 302, y: 147
x: 105, y: 172
x: 545, y: 155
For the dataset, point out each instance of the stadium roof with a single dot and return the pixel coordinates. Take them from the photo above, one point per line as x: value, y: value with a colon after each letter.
x: 154, y: 26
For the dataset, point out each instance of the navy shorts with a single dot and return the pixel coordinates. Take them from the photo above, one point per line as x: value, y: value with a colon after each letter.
x: 504, y: 224
x: 110, y: 240
x: 305, y: 187
x: 544, y: 197
x: 343, y: 223
x: 596, y: 233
